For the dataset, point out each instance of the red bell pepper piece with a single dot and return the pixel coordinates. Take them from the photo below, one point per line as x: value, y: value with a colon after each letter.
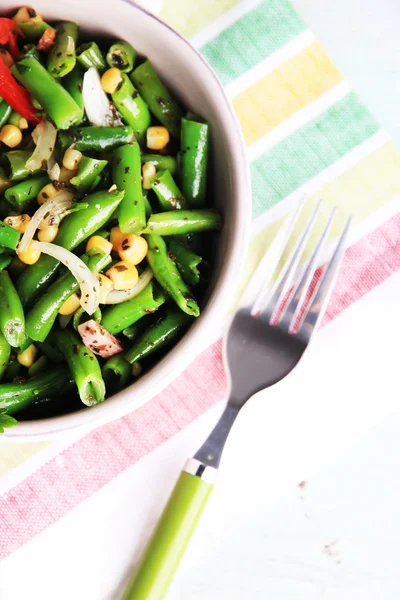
x: 8, y: 36
x: 15, y: 95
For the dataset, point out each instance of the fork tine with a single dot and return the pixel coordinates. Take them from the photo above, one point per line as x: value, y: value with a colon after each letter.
x: 323, y: 288
x: 266, y: 268
x: 298, y: 294
x: 284, y: 281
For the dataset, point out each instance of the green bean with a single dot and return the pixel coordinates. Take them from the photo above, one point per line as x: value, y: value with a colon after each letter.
x: 5, y: 112
x: 62, y: 57
x: 25, y: 343
x: 81, y: 313
x: 17, y: 160
x: 73, y: 84
x: 20, y: 195
x: 167, y: 192
x: 55, y: 100
x: 16, y: 396
x: 116, y: 373
x: 96, y: 139
x: 41, y: 317
x: 177, y: 222
x: 74, y: 229
x: 159, y: 335
x: 158, y: 98
x: 126, y: 174
x: 12, y: 370
x: 121, y: 55
x: 9, y: 237
x: 4, y: 261
x: 168, y: 276
x: 83, y: 366
x: 194, y: 161
x: 5, y: 351
x: 5, y: 183
x: 187, y: 262
x: 120, y: 316
x: 14, y: 118
x: 50, y: 350
x: 12, y: 320
x: 161, y: 162
x: 147, y: 206
x: 33, y: 30
x: 88, y: 172
x: 133, y: 108
x: 90, y: 55
x: 133, y: 331
x: 30, y: 50
x: 38, y: 366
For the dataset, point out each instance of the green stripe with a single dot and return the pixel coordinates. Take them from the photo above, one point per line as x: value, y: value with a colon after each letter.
x: 309, y: 150
x: 252, y: 38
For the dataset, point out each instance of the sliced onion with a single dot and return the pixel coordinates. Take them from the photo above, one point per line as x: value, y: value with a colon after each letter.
x: 98, y: 109
x: 51, y: 209
x: 98, y: 339
x: 44, y: 135
x: 118, y: 296
x: 88, y: 282
x: 53, y: 169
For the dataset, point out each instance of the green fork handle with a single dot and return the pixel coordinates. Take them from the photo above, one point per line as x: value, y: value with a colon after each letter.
x: 168, y: 543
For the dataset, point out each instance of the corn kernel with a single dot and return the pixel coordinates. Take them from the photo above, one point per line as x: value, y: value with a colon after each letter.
x: 136, y: 368
x: 110, y: 80
x: 70, y: 305
x: 157, y: 137
x: 23, y: 123
x: 106, y: 285
x: 132, y: 248
x: 28, y: 356
x: 7, y: 58
x: 11, y: 136
x: 66, y: 175
x: 48, y: 234
x: 148, y: 172
x: 116, y: 237
x: 18, y: 222
x: 124, y: 275
x: 30, y: 256
x: 47, y: 192
x: 71, y: 159
x: 96, y: 241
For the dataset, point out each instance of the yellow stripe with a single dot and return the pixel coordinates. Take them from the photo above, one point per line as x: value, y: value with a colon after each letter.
x: 370, y: 184
x: 284, y: 91
x: 191, y: 16
x: 13, y: 455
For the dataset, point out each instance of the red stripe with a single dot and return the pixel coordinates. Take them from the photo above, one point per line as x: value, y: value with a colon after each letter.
x: 65, y: 481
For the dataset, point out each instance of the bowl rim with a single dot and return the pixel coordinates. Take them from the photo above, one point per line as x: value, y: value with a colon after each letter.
x: 193, y: 342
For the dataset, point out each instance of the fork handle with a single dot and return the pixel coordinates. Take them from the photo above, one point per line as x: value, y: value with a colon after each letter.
x: 168, y: 542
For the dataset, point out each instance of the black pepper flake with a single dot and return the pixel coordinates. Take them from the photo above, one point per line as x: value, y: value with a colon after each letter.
x: 134, y: 95
x: 32, y: 12
x: 75, y: 348
x: 127, y: 170
x: 120, y: 268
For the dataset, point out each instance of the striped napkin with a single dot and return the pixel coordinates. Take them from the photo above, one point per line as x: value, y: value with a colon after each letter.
x: 305, y: 131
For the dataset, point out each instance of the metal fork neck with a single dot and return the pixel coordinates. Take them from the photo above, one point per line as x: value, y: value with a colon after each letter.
x: 211, y: 451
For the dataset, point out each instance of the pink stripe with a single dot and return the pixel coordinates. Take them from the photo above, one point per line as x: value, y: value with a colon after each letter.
x: 85, y: 467
x: 82, y: 469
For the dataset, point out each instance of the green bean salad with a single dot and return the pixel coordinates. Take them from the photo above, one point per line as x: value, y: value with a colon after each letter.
x: 104, y: 217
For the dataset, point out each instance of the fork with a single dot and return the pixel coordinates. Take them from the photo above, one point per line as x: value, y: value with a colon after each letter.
x: 265, y: 340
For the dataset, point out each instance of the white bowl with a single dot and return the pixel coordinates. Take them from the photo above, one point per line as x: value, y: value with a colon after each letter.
x: 190, y: 77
